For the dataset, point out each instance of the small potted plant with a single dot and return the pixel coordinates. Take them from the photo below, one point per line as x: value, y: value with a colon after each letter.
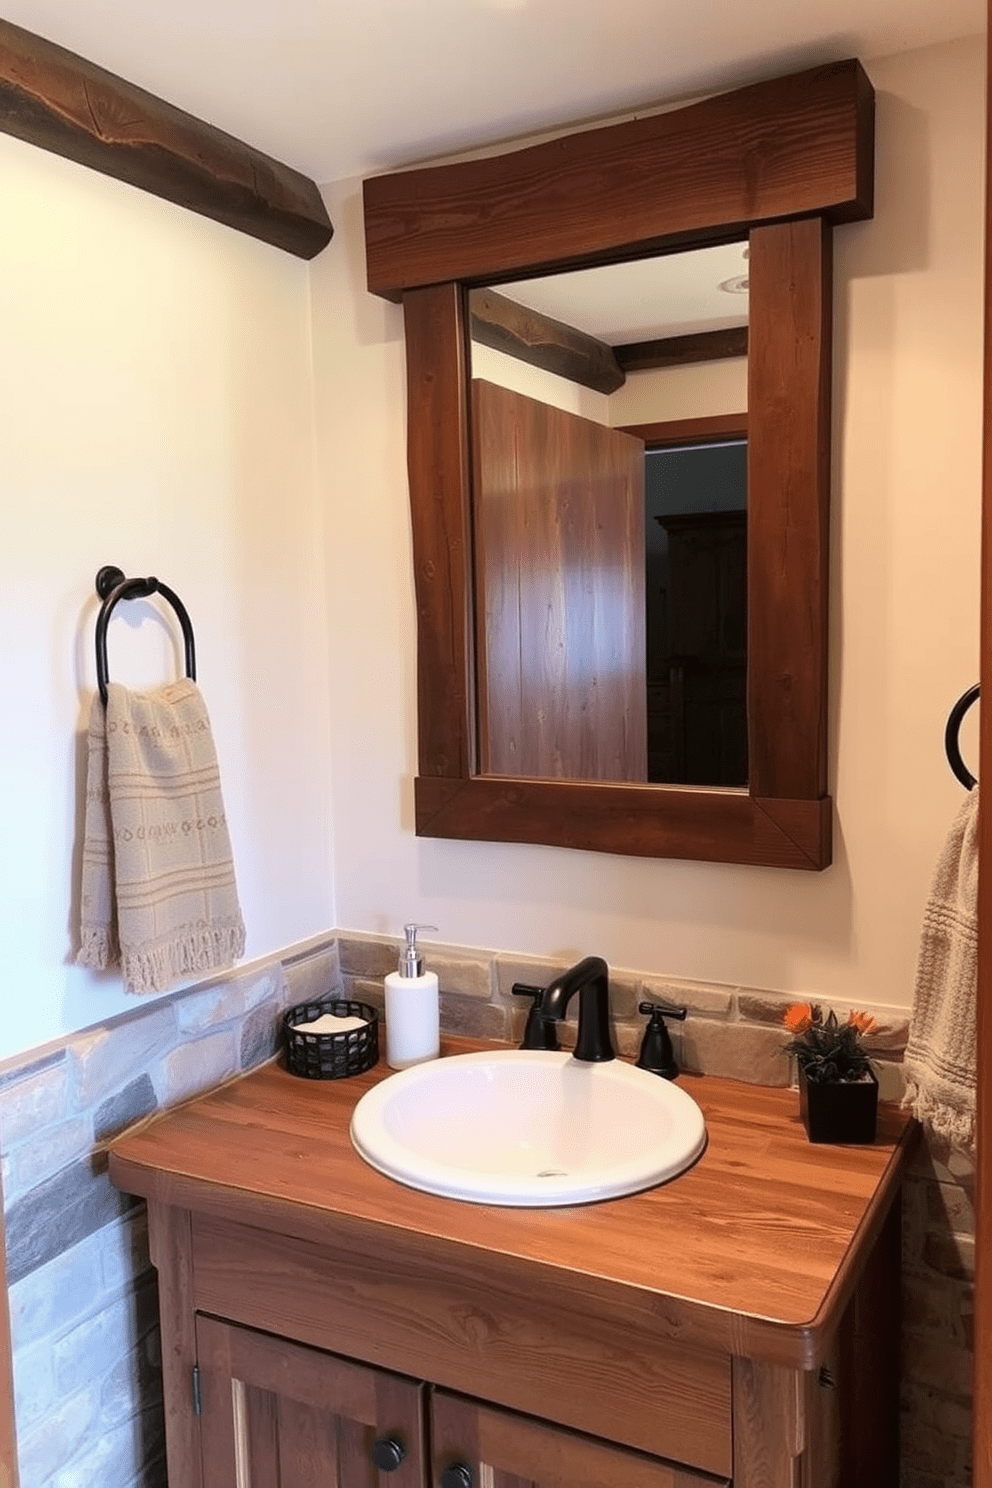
x: 838, y: 1089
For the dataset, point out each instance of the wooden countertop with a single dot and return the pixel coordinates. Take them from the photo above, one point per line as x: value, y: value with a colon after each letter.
x: 754, y: 1251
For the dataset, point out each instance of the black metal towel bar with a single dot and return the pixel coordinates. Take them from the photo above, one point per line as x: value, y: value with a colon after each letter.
x: 111, y: 585
x: 951, y: 744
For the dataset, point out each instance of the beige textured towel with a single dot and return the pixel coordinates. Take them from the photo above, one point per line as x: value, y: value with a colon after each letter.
x: 158, y: 888
x: 940, y: 1062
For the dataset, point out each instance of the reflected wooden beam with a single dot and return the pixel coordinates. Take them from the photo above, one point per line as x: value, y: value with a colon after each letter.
x: 503, y: 325
x: 677, y: 351
x: 51, y: 98
x: 711, y: 429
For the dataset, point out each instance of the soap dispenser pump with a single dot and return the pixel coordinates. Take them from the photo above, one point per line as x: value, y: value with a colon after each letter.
x: 413, y: 1022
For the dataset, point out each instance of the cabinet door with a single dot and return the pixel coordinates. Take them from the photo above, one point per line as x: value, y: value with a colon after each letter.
x: 278, y: 1415
x: 498, y: 1449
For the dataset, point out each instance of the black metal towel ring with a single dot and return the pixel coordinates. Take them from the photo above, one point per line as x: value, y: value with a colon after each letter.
x: 951, y: 744
x: 111, y: 585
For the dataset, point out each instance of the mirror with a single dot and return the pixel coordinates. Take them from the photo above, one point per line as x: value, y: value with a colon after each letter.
x: 626, y: 659
x: 779, y: 163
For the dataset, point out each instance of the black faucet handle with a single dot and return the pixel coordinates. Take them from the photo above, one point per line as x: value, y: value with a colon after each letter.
x: 666, y: 1012
x: 657, y: 1055
x: 537, y: 1033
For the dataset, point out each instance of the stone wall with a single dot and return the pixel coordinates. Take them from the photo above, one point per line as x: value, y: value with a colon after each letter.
x: 83, y: 1293
x: 938, y: 1319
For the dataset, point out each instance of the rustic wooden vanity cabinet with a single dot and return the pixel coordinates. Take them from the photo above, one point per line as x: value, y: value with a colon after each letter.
x: 277, y: 1415
x: 322, y: 1324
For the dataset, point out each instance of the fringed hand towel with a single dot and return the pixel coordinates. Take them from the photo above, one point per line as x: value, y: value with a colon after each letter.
x: 158, y: 888
x: 940, y: 1063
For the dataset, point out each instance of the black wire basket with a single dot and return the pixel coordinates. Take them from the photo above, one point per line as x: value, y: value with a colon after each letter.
x: 330, y: 1056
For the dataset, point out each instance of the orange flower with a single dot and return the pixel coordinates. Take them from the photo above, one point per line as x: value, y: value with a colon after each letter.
x: 798, y: 1017
x: 863, y: 1022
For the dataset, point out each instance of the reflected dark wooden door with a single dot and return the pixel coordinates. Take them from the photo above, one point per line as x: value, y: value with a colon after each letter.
x: 559, y: 576
x: 707, y: 662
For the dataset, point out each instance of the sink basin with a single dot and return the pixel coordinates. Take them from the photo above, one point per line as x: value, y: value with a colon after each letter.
x: 527, y: 1128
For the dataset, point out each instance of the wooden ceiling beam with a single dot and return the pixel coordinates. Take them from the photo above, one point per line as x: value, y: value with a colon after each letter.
x: 678, y: 351
x: 51, y: 98
x: 504, y: 325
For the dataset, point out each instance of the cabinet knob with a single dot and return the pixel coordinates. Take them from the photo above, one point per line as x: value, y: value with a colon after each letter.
x: 388, y: 1453
x: 457, y: 1476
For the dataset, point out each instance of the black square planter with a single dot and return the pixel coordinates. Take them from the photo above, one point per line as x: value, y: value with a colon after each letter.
x: 839, y: 1111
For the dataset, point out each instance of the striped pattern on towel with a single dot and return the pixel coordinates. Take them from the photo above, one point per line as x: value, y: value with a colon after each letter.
x: 941, y: 1056
x: 158, y: 889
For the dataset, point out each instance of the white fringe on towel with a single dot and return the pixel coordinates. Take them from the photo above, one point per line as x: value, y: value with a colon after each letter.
x: 158, y: 891
x: 940, y: 1062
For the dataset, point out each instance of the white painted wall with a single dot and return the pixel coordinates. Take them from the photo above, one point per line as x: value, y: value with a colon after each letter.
x: 535, y: 382
x: 699, y: 390
x: 907, y: 422
x: 156, y: 413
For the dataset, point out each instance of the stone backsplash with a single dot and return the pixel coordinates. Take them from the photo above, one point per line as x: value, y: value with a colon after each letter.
x: 735, y: 1032
x: 83, y: 1293
x: 82, y: 1290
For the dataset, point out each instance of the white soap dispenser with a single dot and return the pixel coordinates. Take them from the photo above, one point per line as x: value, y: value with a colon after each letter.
x: 413, y: 1020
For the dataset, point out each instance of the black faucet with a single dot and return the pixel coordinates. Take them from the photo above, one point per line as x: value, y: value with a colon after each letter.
x: 537, y: 1035
x: 590, y: 978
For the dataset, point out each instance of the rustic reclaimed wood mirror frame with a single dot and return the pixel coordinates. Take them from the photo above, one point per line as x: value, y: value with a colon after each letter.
x: 779, y: 163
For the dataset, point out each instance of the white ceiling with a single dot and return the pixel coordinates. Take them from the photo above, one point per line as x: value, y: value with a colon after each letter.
x: 677, y: 295
x: 347, y: 87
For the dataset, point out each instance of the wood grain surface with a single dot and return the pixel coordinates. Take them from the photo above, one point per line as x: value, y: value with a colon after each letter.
x: 706, y: 430
x: 519, y: 1452
x: 438, y: 462
x: 756, y: 1250
x: 788, y: 499
x: 170, y: 1243
x: 506, y: 1333
x: 679, y: 351
x: 789, y: 147
x: 297, y: 1417
x: 524, y: 333
x: 712, y: 825
x: 982, y: 1416
x: 558, y: 508
x: 60, y: 102
x: 785, y: 817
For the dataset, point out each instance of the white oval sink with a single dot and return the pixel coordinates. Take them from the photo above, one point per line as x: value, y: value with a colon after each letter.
x: 527, y: 1128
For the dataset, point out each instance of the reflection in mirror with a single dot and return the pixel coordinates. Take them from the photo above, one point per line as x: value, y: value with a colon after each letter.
x: 696, y: 603
x: 610, y: 574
